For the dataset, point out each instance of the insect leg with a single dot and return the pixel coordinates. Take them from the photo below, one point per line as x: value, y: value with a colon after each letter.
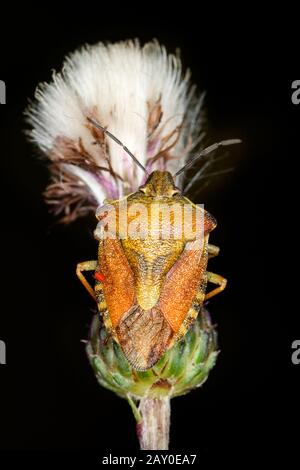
x: 219, y: 281
x: 213, y: 250
x: 86, y: 266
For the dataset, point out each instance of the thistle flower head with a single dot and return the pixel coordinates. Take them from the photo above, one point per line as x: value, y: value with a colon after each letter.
x: 140, y: 95
x: 183, y: 367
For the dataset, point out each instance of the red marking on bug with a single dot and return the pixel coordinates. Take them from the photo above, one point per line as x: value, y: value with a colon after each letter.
x: 99, y: 276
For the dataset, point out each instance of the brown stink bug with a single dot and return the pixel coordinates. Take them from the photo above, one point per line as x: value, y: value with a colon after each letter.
x: 150, y: 283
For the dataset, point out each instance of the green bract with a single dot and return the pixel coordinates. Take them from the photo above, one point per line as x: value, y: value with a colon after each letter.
x: 183, y: 367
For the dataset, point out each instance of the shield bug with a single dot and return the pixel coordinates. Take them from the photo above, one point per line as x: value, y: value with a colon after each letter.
x: 151, y: 273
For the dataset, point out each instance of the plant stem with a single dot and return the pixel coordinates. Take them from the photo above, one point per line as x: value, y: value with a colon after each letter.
x: 153, y: 430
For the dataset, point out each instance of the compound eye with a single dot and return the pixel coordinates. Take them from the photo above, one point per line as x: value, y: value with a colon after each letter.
x: 144, y: 190
x: 103, y: 211
x: 175, y: 191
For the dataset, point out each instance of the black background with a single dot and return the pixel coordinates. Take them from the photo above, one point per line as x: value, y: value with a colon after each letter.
x: 49, y: 397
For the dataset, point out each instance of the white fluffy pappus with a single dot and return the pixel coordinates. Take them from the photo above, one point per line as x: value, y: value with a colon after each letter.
x: 140, y: 94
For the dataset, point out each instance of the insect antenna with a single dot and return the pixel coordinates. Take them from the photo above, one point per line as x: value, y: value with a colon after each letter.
x: 205, y: 152
x: 113, y: 137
